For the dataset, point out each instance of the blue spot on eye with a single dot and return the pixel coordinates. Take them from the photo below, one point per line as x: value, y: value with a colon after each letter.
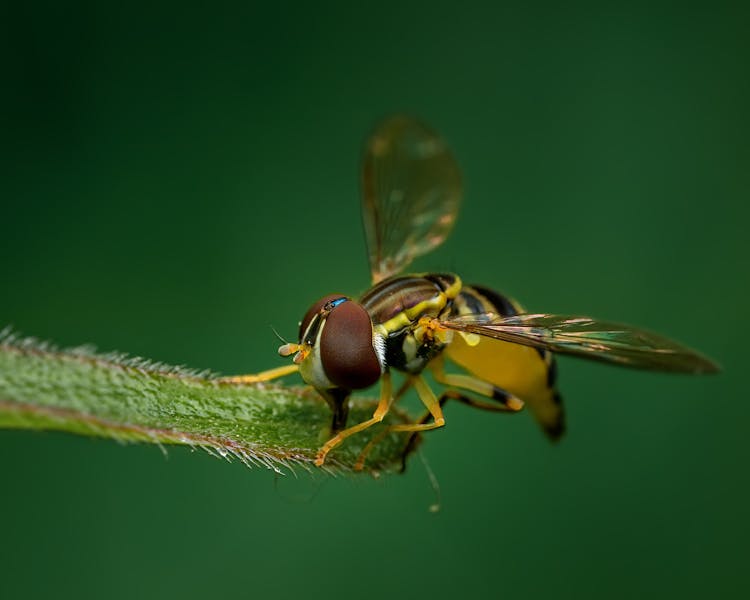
x: 335, y: 303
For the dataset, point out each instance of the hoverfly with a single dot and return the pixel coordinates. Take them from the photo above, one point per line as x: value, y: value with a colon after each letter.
x: 411, y: 193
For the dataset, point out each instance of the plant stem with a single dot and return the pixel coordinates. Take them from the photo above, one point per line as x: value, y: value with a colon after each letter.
x: 134, y: 400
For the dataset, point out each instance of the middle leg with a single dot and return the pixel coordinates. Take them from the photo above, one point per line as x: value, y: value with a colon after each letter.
x: 434, y: 410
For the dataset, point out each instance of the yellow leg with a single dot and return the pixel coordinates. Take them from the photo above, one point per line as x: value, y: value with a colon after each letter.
x: 447, y: 395
x: 505, y: 400
x: 360, y: 464
x: 262, y: 376
x: 427, y: 396
x: 386, y: 399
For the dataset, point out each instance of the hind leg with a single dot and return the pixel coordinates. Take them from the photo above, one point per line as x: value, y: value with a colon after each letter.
x: 505, y: 400
x: 448, y: 395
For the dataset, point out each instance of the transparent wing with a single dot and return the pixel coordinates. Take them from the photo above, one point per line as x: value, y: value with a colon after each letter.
x: 411, y: 192
x: 587, y: 338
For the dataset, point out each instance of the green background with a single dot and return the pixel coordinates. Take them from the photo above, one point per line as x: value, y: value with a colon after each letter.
x: 175, y: 180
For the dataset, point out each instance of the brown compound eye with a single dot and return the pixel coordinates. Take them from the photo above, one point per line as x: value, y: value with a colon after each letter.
x: 314, y: 310
x: 346, y: 350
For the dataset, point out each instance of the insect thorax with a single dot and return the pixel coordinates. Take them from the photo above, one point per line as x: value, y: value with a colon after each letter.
x: 397, y: 304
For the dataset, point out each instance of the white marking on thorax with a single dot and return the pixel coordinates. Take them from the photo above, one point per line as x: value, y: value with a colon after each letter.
x: 378, y: 343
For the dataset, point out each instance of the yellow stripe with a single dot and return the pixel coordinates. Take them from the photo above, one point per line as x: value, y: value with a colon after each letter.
x: 455, y: 289
x: 410, y: 315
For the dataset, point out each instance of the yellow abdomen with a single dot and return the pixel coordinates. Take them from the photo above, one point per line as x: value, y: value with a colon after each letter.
x: 523, y: 371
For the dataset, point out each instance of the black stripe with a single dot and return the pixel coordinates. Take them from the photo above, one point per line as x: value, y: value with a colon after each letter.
x: 473, y: 303
x: 442, y: 280
x: 552, y: 373
x: 312, y: 330
x: 392, y: 296
x: 504, y: 306
x: 556, y: 430
x: 394, y: 350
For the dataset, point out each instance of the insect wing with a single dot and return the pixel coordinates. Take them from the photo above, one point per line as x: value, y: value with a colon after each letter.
x: 587, y: 338
x: 411, y: 192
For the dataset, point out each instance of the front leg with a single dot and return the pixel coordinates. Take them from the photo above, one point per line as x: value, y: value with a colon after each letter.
x: 386, y: 400
x: 260, y: 377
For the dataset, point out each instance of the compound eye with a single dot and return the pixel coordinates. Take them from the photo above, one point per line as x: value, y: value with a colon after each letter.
x: 346, y: 350
x: 314, y: 310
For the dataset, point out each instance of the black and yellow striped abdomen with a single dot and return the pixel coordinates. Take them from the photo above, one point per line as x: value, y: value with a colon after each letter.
x: 528, y: 373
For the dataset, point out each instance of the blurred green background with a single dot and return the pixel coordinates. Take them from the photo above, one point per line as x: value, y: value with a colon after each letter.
x: 176, y: 179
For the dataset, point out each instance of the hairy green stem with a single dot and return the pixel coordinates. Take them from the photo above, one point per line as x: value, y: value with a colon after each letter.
x: 134, y: 400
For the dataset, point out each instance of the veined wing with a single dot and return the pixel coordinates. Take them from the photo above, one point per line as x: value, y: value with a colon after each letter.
x: 411, y: 192
x: 588, y: 338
